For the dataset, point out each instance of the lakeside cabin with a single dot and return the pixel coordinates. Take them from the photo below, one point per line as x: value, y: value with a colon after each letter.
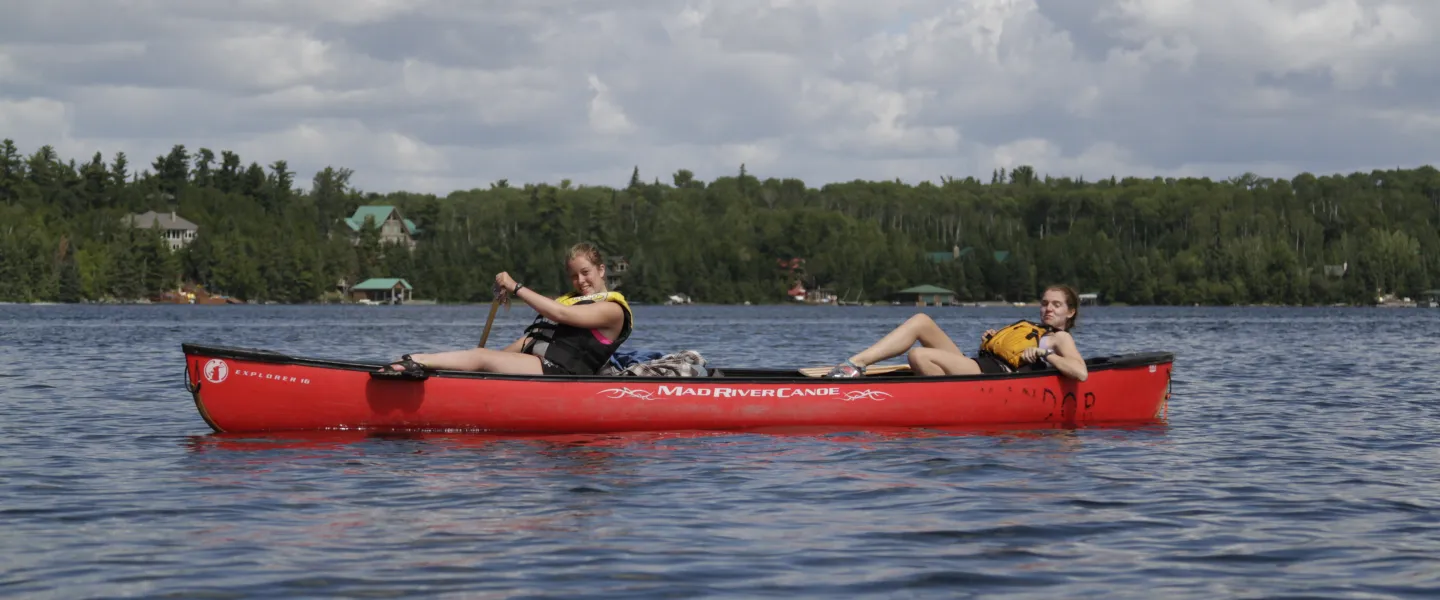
x: 177, y: 231
x: 925, y: 295
x: 394, y: 228
x: 382, y: 291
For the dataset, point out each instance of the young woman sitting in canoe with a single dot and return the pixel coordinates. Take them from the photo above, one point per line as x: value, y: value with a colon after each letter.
x: 572, y: 335
x: 1022, y: 346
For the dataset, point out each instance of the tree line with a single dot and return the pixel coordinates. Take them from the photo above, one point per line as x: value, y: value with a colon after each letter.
x: 1245, y: 240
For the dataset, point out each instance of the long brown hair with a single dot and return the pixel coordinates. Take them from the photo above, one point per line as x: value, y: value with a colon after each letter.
x: 1072, y: 300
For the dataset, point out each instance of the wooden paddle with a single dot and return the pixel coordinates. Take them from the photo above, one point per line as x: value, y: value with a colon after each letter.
x: 490, y: 320
x: 870, y: 370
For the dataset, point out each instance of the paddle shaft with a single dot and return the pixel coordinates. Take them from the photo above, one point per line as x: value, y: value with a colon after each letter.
x: 490, y: 320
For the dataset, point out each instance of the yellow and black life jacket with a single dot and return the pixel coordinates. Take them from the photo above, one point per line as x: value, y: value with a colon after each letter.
x: 577, y: 350
x: 1008, y: 343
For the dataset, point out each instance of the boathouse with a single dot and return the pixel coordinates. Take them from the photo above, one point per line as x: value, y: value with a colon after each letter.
x: 925, y: 295
x: 382, y: 291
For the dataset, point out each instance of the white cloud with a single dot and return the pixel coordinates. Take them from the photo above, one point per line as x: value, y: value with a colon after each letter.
x: 346, y: 142
x: 34, y: 117
x: 866, y: 119
x: 606, y: 117
x: 343, y: 11
x: 8, y: 70
x: 1348, y: 39
x: 273, y: 58
x: 435, y: 95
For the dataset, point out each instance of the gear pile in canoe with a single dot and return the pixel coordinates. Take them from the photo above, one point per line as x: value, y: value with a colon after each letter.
x: 240, y: 390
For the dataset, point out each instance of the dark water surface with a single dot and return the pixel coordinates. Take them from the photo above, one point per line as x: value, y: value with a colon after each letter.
x: 1299, y: 459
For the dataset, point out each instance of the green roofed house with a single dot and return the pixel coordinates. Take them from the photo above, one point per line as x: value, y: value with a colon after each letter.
x: 394, y: 227
x: 955, y: 253
x: 925, y: 295
x: 382, y: 291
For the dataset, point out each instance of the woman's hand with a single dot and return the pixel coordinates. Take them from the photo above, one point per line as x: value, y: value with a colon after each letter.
x: 1031, y: 355
x: 505, y: 282
x: 989, y: 333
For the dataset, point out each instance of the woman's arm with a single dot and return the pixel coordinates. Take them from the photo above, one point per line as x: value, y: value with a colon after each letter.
x: 599, y: 315
x: 1065, y: 357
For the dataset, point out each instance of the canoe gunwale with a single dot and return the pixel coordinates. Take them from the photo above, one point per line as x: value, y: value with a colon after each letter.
x: 738, y: 375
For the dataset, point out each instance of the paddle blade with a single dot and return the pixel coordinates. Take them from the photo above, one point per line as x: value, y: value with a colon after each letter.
x: 871, y: 370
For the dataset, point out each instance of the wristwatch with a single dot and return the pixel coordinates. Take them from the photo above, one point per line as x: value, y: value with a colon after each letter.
x: 516, y: 291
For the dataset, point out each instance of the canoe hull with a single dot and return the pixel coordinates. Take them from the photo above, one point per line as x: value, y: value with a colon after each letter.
x: 244, y: 390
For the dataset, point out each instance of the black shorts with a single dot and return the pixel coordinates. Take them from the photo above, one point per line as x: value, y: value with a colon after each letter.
x: 990, y: 365
x: 550, y: 368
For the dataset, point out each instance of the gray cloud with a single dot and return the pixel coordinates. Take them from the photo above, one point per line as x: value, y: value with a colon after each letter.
x: 436, y: 95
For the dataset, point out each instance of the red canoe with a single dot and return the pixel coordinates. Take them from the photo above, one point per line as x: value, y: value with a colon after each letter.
x: 247, y: 390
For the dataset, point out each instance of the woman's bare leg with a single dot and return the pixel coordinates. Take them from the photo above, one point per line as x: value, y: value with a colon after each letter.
x: 919, y: 328
x: 934, y: 361
x: 481, y: 359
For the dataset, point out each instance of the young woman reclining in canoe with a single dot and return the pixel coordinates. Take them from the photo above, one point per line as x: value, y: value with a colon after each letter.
x: 1019, y: 347
x: 572, y: 335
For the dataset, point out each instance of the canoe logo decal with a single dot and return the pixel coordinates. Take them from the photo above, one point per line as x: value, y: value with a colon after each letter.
x: 678, y: 391
x: 272, y: 377
x: 627, y: 393
x: 216, y: 370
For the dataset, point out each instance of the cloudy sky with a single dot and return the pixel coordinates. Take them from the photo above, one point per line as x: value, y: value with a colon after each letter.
x: 438, y: 95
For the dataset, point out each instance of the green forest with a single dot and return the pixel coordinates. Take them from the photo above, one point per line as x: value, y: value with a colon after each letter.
x: 263, y: 238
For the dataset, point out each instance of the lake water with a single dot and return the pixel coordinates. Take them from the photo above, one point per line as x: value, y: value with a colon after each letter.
x: 1299, y: 459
